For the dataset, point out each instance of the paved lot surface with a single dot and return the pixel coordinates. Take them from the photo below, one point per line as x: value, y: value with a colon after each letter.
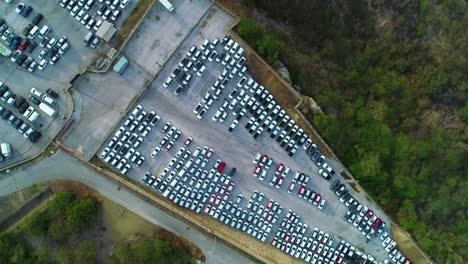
x: 21, y: 82
x: 160, y: 33
x: 55, y: 77
x: 53, y: 168
x: 99, y: 101
x: 238, y: 149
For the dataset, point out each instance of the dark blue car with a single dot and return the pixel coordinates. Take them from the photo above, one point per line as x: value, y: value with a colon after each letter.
x: 15, y: 42
x: 26, y: 11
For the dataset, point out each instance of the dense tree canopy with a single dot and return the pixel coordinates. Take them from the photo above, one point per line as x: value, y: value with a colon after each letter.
x: 394, y: 93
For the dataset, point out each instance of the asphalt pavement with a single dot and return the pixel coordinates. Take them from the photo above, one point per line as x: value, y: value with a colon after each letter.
x: 65, y: 167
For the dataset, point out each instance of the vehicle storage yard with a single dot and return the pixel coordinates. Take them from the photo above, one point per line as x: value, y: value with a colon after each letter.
x: 37, y: 70
x: 204, y: 134
x: 146, y: 147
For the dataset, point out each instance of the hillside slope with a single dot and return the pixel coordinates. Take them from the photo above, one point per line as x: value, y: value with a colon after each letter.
x: 391, y: 78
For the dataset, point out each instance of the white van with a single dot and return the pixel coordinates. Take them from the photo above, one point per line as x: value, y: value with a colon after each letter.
x: 49, y: 100
x: 64, y: 48
x: 6, y: 149
x: 188, y: 164
x: 196, y: 152
x: 181, y: 172
x: 44, y: 30
x: 34, y: 116
x: 33, y: 32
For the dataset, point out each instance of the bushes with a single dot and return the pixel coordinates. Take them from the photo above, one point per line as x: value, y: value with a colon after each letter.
x: 66, y: 214
x: 150, y: 250
x: 267, y: 45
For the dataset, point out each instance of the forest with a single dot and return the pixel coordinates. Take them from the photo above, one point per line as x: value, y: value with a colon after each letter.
x: 391, y: 78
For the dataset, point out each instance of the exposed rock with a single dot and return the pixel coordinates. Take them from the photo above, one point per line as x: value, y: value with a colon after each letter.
x: 283, y: 71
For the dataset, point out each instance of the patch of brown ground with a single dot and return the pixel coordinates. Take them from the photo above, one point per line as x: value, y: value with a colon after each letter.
x: 407, y: 246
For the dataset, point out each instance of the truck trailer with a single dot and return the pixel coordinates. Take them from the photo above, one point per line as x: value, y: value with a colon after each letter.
x: 47, y: 109
x: 168, y: 6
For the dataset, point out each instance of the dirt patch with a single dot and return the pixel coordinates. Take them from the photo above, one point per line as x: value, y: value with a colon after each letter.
x: 407, y: 246
x: 132, y: 22
x: 236, y: 7
x: 180, y: 241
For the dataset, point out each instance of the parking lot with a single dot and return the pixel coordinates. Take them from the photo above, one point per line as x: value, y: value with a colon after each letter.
x: 69, y: 62
x: 161, y: 32
x: 172, y: 173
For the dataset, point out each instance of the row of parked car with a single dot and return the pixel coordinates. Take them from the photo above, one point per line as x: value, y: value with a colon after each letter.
x: 26, y: 115
x: 233, y: 61
x: 256, y: 218
x: 121, y: 150
x: 358, y: 214
x: 187, y: 181
x: 53, y: 48
x: 81, y: 11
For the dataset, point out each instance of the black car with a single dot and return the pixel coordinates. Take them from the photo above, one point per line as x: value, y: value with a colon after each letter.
x: 2, y: 21
x: 26, y: 11
x: 21, y: 59
x: 34, y: 100
x: 52, y: 93
x: 4, y: 89
x: 37, y: 19
x: 20, y: 100
x: 17, y: 123
x: 27, y: 29
x: 335, y: 185
x: 232, y: 171
x: 22, y: 108
x: 52, y: 52
x: 6, y: 114
x: 35, y: 136
x: 32, y: 45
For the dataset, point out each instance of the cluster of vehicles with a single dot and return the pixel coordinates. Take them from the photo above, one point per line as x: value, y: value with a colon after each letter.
x: 189, y: 182
x: 121, y: 150
x: 358, y: 214
x: 81, y: 10
x: 318, y: 247
x: 367, y: 222
x: 52, y: 48
x: 192, y: 64
x: 258, y: 218
x: 23, y: 121
x: 168, y: 141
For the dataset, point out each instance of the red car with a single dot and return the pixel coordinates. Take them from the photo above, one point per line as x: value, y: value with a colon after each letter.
x: 301, y: 191
x: 23, y: 45
x: 188, y: 141
x: 221, y: 166
x: 279, y: 168
x: 377, y: 224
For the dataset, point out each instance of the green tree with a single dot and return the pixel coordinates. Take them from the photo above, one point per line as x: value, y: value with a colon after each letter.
x: 79, y: 215
x: 39, y: 224
x: 86, y: 253
x: 64, y: 255
x: 407, y: 215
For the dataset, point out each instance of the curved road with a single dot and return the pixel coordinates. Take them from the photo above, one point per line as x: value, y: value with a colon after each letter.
x: 65, y: 167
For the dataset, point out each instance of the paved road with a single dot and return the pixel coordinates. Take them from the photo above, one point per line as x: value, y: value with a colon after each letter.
x: 63, y: 166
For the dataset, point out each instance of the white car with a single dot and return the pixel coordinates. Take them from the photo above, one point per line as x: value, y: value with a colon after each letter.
x: 42, y: 64
x: 124, y: 3
x: 155, y: 152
